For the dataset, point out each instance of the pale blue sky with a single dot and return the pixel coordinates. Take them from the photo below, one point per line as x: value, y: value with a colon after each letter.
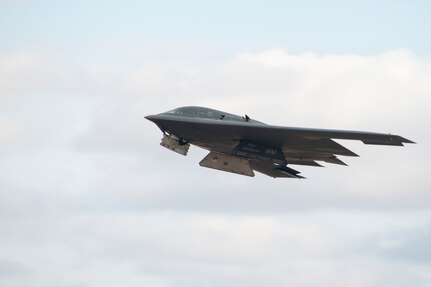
x: 203, y: 30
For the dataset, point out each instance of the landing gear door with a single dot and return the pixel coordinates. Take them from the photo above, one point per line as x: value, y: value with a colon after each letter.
x: 172, y: 143
x: 227, y: 162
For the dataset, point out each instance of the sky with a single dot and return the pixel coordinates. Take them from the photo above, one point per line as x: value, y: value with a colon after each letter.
x: 88, y: 197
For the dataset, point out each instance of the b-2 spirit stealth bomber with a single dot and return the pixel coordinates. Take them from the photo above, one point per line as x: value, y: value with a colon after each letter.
x: 242, y: 145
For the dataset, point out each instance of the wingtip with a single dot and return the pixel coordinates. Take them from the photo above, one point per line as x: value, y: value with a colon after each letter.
x: 408, y: 141
x: 403, y: 140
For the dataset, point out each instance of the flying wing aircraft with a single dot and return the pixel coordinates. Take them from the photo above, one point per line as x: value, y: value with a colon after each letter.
x: 242, y: 145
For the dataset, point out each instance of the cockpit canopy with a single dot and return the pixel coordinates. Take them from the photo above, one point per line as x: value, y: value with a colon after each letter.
x: 206, y: 113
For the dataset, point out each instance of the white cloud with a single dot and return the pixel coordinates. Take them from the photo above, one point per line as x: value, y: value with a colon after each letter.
x: 89, y: 198
x: 383, y: 93
x: 9, y: 130
x: 218, y: 250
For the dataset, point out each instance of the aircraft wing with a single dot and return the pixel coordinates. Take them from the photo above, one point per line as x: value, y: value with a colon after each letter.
x: 301, y: 146
x: 304, y: 146
x: 265, y: 148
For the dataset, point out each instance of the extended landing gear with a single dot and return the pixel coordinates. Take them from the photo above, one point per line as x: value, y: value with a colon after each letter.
x: 182, y: 141
x: 172, y: 143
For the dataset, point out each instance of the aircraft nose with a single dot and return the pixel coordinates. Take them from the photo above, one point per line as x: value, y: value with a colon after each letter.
x: 152, y: 118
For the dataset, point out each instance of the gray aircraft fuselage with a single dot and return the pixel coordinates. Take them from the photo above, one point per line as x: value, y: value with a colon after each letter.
x: 240, y: 144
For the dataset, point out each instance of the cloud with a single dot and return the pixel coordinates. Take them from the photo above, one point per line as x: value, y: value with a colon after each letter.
x: 164, y: 248
x: 402, y: 246
x: 92, y: 129
x: 300, y: 89
x: 9, y: 130
x: 384, y: 93
x: 89, y: 198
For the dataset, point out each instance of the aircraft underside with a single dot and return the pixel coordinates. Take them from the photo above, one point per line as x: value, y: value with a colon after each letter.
x: 243, y: 159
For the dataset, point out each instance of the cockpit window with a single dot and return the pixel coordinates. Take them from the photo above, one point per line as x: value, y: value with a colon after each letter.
x: 205, y: 113
x: 184, y: 112
x: 188, y: 112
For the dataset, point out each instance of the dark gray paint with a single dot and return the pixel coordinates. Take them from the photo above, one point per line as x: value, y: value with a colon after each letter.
x: 223, y: 132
